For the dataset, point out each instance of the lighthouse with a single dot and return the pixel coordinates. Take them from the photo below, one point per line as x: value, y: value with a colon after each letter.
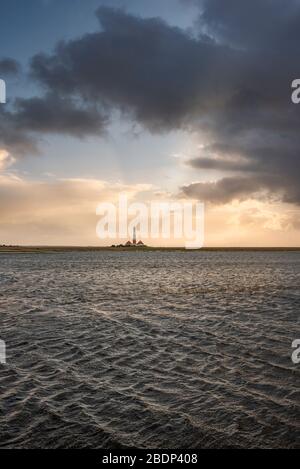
x: 130, y: 244
x: 134, y: 236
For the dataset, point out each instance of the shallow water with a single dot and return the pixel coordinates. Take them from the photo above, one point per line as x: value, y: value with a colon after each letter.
x: 153, y: 350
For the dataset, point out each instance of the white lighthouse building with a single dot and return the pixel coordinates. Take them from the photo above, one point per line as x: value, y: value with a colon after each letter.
x: 134, y: 242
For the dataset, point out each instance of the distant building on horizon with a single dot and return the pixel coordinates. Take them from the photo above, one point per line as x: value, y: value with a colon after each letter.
x: 132, y: 243
x: 134, y: 236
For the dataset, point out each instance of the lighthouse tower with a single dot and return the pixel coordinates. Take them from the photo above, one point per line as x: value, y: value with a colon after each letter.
x: 134, y: 236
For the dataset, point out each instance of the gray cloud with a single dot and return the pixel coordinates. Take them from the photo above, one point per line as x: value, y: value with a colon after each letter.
x: 267, y: 170
x: 51, y: 114
x: 155, y: 73
x: 9, y: 66
x: 219, y: 164
x: 268, y: 186
x: 21, y: 127
x: 224, y: 190
x: 259, y: 24
x: 256, y: 132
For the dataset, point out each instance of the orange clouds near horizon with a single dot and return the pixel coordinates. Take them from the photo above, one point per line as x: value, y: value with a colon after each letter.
x: 63, y: 212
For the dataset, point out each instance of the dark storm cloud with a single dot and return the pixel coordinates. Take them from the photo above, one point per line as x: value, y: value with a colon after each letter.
x: 256, y: 132
x: 266, y: 168
x: 258, y: 24
x: 257, y: 157
x: 231, y: 81
x: 16, y: 141
x: 268, y: 186
x: 9, y: 66
x: 49, y: 114
x: 154, y: 72
x: 160, y: 74
x: 224, y: 190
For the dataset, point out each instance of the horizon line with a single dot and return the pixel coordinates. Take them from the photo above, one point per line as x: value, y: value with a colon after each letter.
x: 75, y: 246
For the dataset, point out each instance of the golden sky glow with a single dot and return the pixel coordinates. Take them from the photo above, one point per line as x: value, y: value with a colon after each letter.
x: 63, y: 212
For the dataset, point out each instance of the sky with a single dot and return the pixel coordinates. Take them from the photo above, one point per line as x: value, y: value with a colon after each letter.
x: 177, y: 100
